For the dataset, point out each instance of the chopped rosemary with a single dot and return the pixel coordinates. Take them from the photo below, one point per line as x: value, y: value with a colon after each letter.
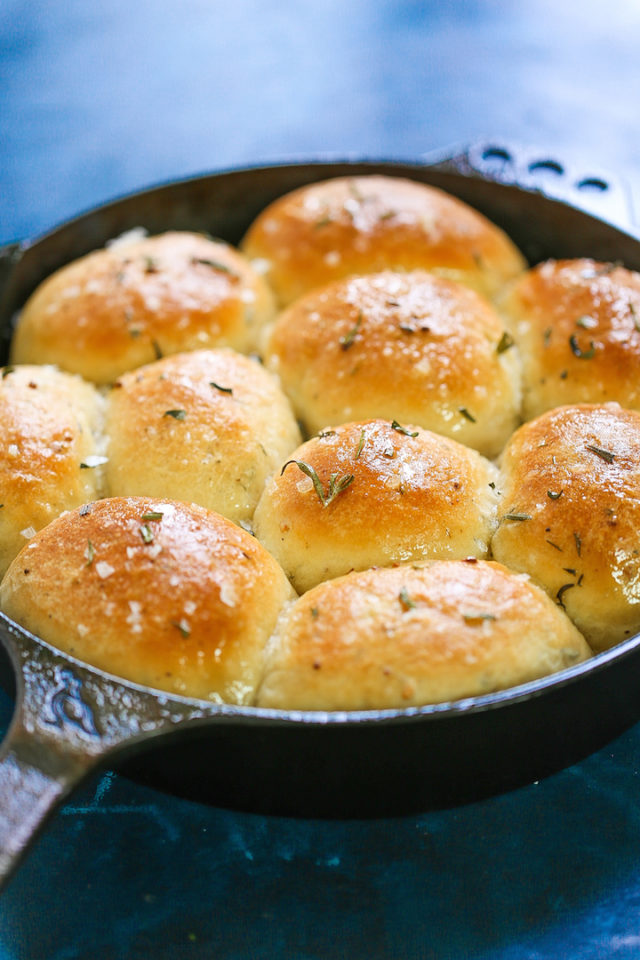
x: 546, y: 336
x: 400, y: 429
x: 157, y: 349
x: 405, y: 599
x: 146, y: 533
x: 506, y: 341
x: 214, y: 264
x: 150, y: 265
x: 561, y: 592
x: 605, y: 455
x: 336, y: 484
x: 326, y: 433
x: 217, y: 386
x: 152, y: 515
x: 360, y: 444
x: 578, y: 351
x: 578, y: 542
x: 516, y: 516
x: 478, y: 616
x: 89, y: 553
x: 554, y: 495
x: 554, y: 545
x: 182, y: 626
x: 348, y: 340
x: 465, y: 413
x: 176, y: 414
x: 586, y: 322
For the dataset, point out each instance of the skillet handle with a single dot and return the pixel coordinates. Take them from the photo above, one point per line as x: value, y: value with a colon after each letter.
x: 32, y: 784
x: 68, y: 720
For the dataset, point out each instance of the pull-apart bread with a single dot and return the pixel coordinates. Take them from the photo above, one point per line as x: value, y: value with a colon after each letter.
x: 414, y: 634
x: 376, y: 493
x: 51, y: 450
x: 163, y: 593
x: 364, y: 224
x: 577, y: 323
x: 570, y: 514
x: 135, y: 301
x: 410, y: 346
x: 208, y: 426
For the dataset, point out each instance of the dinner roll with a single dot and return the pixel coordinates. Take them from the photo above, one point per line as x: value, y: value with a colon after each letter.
x: 207, y: 426
x: 135, y: 301
x: 412, y: 346
x: 570, y: 514
x: 411, y: 635
x: 51, y: 451
x: 376, y: 493
x: 364, y: 224
x: 165, y: 594
x: 577, y: 323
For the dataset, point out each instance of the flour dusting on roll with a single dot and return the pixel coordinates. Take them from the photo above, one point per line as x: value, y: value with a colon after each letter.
x: 376, y: 493
x: 570, y: 514
x: 124, y: 306
x: 405, y: 345
x: 51, y: 450
x: 208, y: 426
x: 364, y: 224
x: 163, y: 593
x: 577, y: 323
x: 412, y: 635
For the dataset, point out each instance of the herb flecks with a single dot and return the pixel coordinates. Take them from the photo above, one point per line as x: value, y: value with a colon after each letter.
x: 89, y: 553
x: 578, y: 542
x: 335, y: 487
x: 182, y: 626
x: 505, y: 343
x: 176, y: 414
x: 554, y: 494
x: 400, y: 429
x: 605, y: 455
x: 151, y: 265
x: 467, y: 415
x: 516, y: 516
x: 146, y: 533
x: 349, y: 338
x: 405, y: 600
x: 577, y: 350
x: 361, y: 443
x: 217, y: 386
x: 477, y: 616
x: 561, y: 592
x: 152, y: 515
x: 213, y: 264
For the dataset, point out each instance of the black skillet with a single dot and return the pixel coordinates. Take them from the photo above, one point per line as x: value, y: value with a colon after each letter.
x: 70, y: 719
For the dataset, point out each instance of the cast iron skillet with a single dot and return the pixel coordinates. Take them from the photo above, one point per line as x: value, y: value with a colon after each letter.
x: 70, y: 718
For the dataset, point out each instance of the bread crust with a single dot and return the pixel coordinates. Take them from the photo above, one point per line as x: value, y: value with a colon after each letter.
x: 410, y: 346
x: 397, y: 494
x: 208, y: 426
x: 412, y: 635
x: 577, y: 323
x: 124, y: 306
x: 365, y: 224
x: 51, y: 450
x: 570, y: 514
x: 163, y: 593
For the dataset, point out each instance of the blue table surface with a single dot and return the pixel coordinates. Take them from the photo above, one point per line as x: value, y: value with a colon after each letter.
x: 101, y: 98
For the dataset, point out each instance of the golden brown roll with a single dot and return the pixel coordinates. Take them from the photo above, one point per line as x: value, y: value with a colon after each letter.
x: 570, y: 514
x: 364, y: 224
x: 124, y: 306
x: 51, y: 450
x: 577, y: 323
x: 376, y: 493
x: 165, y: 594
x: 412, y: 635
x: 409, y: 346
x: 207, y: 426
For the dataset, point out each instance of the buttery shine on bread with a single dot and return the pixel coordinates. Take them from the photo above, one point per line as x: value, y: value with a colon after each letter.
x: 51, y: 451
x: 577, y: 323
x: 139, y: 299
x: 208, y: 426
x: 364, y: 224
x: 412, y: 635
x: 410, y: 346
x: 570, y: 514
x: 376, y: 492
x: 165, y: 594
